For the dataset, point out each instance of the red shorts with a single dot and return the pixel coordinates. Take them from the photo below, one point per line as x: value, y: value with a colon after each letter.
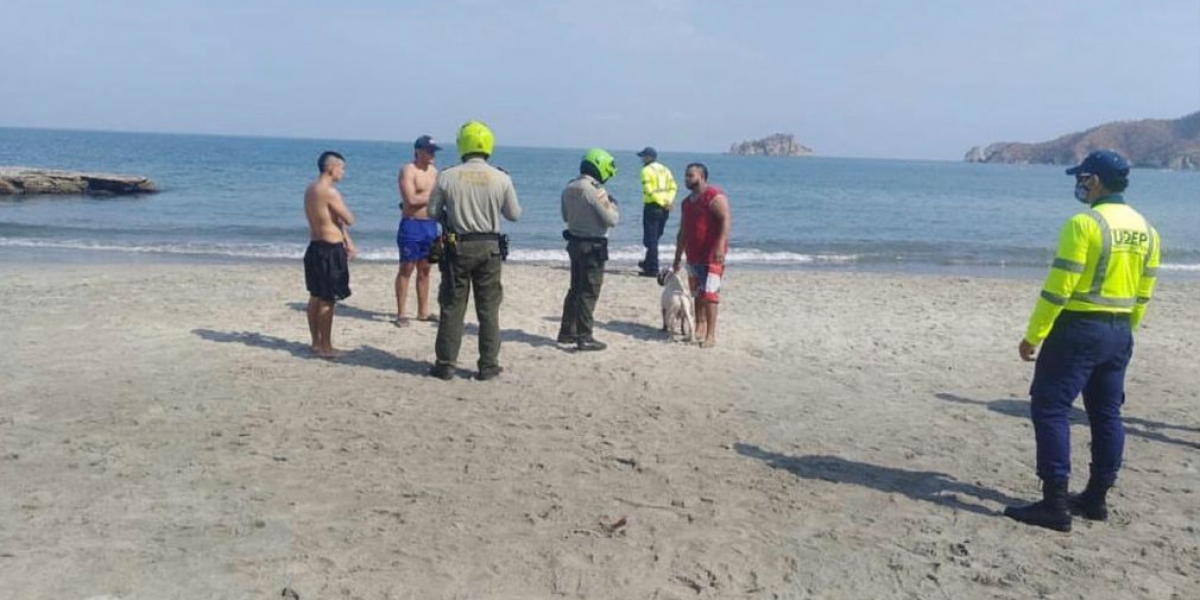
x: 705, y: 280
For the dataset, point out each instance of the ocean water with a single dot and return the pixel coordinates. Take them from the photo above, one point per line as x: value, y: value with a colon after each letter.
x: 241, y: 198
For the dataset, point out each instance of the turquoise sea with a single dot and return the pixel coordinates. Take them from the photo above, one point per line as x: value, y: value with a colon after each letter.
x: 239, y: 198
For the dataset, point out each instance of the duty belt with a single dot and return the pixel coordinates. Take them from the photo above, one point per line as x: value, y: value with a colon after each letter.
x: 478, y: 237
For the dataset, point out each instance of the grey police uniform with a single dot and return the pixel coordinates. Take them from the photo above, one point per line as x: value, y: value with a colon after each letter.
x: 589, y: 214
x: 470, y: 199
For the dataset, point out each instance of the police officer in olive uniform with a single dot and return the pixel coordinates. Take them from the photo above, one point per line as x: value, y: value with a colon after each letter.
x: 589, y: 213
x: 469, y: 199
x: 1093, y: 300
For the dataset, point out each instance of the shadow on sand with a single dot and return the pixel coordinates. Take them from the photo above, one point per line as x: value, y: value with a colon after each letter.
x: 1134, y: 426
x: 513, y: 336
x: 363, y: 356
x: 638, y: 331
x: 345, y: 310
x: 927, y: 486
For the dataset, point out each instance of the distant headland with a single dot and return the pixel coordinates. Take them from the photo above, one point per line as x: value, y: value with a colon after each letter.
x: 779, y: 144
x: 16, y: 181
x: 1153, y: 143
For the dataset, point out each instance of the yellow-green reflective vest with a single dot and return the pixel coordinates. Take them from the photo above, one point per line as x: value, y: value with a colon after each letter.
x: 658, y: 185
x: 1107, y: 261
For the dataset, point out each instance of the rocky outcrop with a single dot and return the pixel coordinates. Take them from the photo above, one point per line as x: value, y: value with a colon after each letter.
x: 779, y: 144
x: 15, y: 181
x: 1153, y: 143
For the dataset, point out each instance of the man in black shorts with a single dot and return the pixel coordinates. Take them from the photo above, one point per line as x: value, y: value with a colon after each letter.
x: 326, y: 271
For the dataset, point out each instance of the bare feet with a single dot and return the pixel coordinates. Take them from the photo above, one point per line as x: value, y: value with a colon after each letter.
x: 330, y: 354
x: 429, y: 318
x: 709, y: 343
x: 401, y: 321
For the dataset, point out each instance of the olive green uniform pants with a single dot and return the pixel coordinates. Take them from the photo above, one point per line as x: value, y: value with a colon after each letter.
x: 587, y: 275
x: 472, y: 264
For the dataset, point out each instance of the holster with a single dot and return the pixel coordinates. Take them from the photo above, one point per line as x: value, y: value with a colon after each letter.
x: 595, y: 246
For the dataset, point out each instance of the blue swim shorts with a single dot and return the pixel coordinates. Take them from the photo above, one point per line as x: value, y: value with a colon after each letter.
x: 414, y: 237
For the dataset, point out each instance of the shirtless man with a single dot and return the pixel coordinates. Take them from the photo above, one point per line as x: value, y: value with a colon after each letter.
x: 417, y: 231
x: 326, y: 272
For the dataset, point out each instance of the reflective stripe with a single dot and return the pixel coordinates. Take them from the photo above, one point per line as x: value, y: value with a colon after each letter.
x: 1054, y: 299
x: 1143, y: 300
x: 1150, y: 272
x: 1146, y: 270
x: 1097, y: 299
x: 1101, y: 261
x: 1068, y: 265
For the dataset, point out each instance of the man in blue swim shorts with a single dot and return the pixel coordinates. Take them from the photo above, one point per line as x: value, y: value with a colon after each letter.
x: 417, y: 231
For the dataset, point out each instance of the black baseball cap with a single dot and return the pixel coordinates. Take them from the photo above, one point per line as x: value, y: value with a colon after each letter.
x: 426, y: 143
x: 648, y: 151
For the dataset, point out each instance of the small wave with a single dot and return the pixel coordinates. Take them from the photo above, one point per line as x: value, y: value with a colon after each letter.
x: 273, y: 251
x: 1179, y: 267
x: 636, y: 253
x: 627, y: 254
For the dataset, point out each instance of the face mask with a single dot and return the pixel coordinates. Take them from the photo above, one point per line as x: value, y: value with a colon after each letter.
x: 1081, y: 191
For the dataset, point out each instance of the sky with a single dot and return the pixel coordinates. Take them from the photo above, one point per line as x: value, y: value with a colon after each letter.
x: 922, y: 79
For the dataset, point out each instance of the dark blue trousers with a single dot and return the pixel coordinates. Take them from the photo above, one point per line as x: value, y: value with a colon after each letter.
x: 1088, y: 355
x: 654, y: 222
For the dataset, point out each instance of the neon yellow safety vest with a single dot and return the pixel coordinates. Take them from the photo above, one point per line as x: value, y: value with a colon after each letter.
x: 1107, y: 261
x: 658, y: 185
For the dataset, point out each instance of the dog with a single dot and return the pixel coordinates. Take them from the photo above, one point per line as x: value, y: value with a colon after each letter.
x: 678, y: 311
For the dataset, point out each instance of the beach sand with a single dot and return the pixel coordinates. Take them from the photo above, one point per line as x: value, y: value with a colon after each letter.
x: 164, y: 433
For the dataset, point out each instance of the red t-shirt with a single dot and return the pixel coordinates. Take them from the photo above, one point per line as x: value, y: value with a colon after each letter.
x: 701, y: 227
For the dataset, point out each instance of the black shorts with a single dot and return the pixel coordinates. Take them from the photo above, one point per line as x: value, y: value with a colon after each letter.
x: 326, y: 272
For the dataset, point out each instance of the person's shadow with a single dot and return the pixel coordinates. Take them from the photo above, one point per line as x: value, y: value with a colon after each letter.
x: 345, y: 310
x: 635, y: 330
x: 1135, y: 426
x: 927, y: 486
x: 513, y: 336
x: 363, y: 356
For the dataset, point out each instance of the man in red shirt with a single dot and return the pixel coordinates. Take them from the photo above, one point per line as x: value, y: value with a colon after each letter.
x: 704, y: 236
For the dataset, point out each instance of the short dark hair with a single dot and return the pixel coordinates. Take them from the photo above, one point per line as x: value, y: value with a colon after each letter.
x: 323, y: 162
x: 1115, y: 183
x: 703, y: 169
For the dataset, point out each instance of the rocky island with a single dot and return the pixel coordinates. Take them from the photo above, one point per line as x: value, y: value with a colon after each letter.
x: 779, y: 144
x: 1153, y: 143
x: 16, y: 181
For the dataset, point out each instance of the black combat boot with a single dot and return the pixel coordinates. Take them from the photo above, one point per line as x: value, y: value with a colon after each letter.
x: 1090, y: 503
x: 1050, y: 513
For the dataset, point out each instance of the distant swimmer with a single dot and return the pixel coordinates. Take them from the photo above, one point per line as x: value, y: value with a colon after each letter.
x: 590, y: 213
x: 326, y: 271
x: 417, y: 230
x: 1091, y: 303
x: 470, y: 198
x: 704, y: 236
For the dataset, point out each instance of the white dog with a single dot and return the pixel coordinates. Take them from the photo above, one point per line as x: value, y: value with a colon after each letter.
x: 677, y: 309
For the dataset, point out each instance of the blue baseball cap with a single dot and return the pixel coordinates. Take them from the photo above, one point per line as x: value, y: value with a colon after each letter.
x: 425, y: 142
x: 1105, y: 164
x: 648, y: 151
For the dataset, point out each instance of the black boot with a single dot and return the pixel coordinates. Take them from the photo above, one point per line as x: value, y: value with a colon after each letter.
x: 1090, y: 503
x: 1050, y: 513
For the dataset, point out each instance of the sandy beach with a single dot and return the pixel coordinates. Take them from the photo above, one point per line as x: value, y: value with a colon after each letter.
x: 164, y: 433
